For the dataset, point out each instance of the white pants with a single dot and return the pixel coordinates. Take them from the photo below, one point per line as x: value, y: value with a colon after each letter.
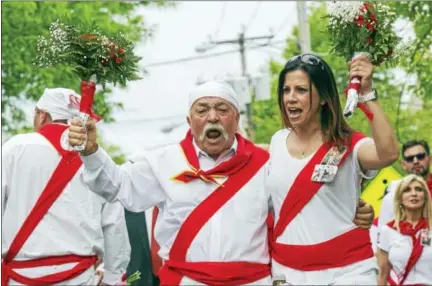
x: 265, y: 281
x: 361, y: 273
x: 89, y: 277
x: 367, y: 278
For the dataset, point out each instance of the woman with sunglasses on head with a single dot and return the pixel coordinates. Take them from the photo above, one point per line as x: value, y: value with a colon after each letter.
x: 317, y: 163
x: 404, y: 246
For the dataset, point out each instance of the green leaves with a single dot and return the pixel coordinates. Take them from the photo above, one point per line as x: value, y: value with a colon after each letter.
x: 22, y: 25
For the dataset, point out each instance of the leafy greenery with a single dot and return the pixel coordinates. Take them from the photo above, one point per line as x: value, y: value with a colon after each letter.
x: 411, y: 120
x: 89, y: 52
x: 114, y: 151
x: 22, y: 25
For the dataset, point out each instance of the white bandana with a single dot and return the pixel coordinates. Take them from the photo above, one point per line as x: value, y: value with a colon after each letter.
x: 214, y: 89
x: 60, y: 103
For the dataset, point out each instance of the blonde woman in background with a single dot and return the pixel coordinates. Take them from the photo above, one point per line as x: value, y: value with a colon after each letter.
x: 404, y: 244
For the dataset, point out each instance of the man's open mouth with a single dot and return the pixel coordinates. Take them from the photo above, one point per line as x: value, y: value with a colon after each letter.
x: 213, y: 134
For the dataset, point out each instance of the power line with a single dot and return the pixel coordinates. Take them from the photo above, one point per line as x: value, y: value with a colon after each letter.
x: 188, y: 59
x: 252, y: 17
x: 199, y: 57
x: 282, y: 25
x: 223, y: 9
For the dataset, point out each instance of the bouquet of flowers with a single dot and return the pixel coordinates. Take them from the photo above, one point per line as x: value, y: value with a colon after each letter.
x: 361, y: 28
x: 94, y: 57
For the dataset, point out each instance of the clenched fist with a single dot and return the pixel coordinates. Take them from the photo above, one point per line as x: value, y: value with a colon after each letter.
x: 364, y: 215
x: 77, y: 136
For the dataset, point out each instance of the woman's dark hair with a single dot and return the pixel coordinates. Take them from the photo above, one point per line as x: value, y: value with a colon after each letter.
x: 335, y: 128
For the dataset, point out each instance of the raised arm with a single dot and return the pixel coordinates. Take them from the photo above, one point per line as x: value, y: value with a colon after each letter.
x: 383, y: 151
x: 134, y: 185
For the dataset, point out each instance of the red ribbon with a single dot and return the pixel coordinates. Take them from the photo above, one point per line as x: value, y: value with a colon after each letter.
x: 406, y: 228
x: 356, y: 86
x: 225, y: 169
x: 88, y: 89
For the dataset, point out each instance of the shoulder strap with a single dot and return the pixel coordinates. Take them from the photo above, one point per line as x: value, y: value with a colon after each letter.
x: 65, y: 171
x: 53, y: 133
x: 207, y: 208
x: 304, y: 189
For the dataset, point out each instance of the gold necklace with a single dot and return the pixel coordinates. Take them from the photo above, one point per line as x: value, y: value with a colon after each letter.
x: 303, y: 154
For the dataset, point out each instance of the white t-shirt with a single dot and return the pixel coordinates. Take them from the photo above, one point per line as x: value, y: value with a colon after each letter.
x: 387, y: 207
x: 328, y: 214
x: 373, y: 234
x: 399, y: 247
x: 79, y: 222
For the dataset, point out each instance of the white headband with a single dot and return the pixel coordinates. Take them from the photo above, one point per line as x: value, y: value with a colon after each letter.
x: 214, y: 89
x: 60, y: 103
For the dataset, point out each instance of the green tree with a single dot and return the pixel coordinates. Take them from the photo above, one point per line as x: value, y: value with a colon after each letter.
x: 410, y: 123
x: 24, y: 22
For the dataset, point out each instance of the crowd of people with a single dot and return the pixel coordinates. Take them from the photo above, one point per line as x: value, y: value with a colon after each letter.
x: 225, y: 211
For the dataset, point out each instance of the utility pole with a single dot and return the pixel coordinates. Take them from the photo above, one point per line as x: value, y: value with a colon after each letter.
x: 304, y: 32
x: 240, y: 41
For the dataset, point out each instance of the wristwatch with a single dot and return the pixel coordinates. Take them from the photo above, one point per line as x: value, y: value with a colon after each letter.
x: 371, y: 96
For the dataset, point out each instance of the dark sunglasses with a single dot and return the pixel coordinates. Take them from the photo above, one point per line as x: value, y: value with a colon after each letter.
x: 308, y: 59
x: 419, y: 157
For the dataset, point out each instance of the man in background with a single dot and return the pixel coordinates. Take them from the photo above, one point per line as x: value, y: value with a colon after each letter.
x: 54, y: 229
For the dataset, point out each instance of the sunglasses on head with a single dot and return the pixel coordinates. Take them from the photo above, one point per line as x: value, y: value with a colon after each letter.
x: 308, y: 59
x: 419, y: 157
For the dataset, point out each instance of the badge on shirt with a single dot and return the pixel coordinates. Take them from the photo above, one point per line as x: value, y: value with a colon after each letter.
x: 327, y: 170
x: 425, y: 237
x: 333, y: 156
x: 324, y: 173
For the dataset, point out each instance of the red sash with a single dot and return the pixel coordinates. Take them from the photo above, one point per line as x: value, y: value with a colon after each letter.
x: 224, y: 169
x: 156, y: 261
x: 407, y: 229
x: 68, y: 166
x: 215, y: 273
x: 429, y: 183
x: 344, y: 249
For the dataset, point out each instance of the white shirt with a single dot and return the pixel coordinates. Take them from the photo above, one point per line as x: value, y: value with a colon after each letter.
x: 387, y: 206
x: 204, y: 159
x: 79, y: 222
x: 328, y: 214
x: 237, y: 232
x: 399, y: 247
x: 373, y: 234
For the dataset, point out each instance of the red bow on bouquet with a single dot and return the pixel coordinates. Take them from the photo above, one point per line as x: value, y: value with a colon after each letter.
x: 88, y: 89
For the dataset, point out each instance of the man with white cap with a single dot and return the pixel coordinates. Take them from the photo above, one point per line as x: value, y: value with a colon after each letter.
x: 209, y: 190
x: 54, y: 229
